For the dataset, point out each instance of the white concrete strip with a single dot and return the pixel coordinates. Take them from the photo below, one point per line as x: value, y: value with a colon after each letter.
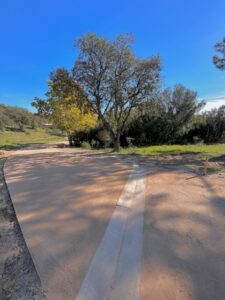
x: 127, y: 280
x: 104, y: 269
x: 97, y: 282
x: 126, y: 197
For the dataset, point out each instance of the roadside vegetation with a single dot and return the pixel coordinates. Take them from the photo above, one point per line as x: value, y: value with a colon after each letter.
x: 200, y: 151
x: 191, y: 156
x: 19, y: 127
x: 111, y: 98
x: 14, y: 139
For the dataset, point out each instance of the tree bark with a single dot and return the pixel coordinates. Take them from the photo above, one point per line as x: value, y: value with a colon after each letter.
x: 116, y: 143
x: 70, y: 140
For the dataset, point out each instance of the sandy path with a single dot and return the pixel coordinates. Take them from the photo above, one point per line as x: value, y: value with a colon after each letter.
x: 184, y: 237
x: 63, y: 202
x: 114, y: 272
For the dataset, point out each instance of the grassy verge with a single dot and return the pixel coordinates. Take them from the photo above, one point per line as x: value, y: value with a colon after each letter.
x: 14, y: 139
x: 164, y: 150
x: 217, y: 170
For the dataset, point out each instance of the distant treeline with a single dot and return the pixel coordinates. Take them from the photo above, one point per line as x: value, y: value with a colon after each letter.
x: 17, y: 118
x: 170, y: 121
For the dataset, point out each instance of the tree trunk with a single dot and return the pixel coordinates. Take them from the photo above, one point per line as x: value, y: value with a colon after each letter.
x: 117, y: 143
x: 70, y: 140
x: 115, y: 137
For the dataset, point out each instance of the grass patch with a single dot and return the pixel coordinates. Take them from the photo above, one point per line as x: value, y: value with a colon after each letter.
x: 164, y: 150
x: 215, y: 169
x: 14, y: 139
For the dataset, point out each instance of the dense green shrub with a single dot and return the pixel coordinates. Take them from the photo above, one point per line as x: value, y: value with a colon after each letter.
x: 85, y: 145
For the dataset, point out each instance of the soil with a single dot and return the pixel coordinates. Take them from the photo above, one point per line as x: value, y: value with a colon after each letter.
x: 18, y: 277
x: 183, y: 250
x: 184, y: 242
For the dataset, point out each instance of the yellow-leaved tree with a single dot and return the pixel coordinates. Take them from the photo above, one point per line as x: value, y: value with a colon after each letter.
x: 66, y: 105
x: 72, y: 119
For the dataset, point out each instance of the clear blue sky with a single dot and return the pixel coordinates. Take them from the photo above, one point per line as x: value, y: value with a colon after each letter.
x: 37, y: 36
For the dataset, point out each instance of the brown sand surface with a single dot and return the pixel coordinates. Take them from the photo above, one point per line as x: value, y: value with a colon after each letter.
x: 64, y: 201
x: 184, y: 236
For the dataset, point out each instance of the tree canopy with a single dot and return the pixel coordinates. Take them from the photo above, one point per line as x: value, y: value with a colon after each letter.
x: 112, y: 97
x: 66, y: 104
x: 167, y: 119
x: 114, y: 79
x: 219, y: 61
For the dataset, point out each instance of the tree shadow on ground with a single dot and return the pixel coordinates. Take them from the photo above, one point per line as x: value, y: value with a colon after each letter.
x: 218, y: 158
x: 184, y: 242
x: 65, y: 202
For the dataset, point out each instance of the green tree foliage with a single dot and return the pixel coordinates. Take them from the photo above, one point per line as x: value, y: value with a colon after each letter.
x: 166, y: 119
x: 219, y: 61
x: 66, y: 105
x: 15, y: 117
x: 180, y: 107
x: 215, y: 125
x: 114, y: 79
x: 42, y: 106
x: 110, y: 82
x: 5, y: 121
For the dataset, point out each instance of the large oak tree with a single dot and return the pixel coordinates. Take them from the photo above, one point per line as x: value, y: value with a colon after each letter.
x: 114, y: 79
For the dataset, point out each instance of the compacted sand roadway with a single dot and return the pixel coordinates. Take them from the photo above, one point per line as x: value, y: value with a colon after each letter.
x: 63, y: 200
x: 101, y: 226
x: 184, y: 236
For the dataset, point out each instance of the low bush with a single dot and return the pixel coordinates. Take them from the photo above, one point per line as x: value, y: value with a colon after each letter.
x: 85, y: 145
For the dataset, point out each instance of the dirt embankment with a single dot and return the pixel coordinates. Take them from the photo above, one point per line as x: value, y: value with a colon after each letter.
x: 18, y: 277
